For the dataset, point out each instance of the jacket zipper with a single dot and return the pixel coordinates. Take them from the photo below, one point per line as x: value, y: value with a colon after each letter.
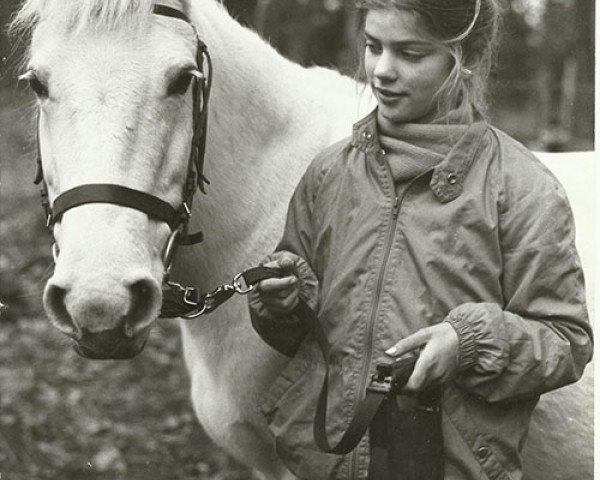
x: 369, y: 344
x: 369, y: 350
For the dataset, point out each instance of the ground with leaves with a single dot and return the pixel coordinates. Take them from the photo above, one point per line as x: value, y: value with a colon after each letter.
x: 63, y: 417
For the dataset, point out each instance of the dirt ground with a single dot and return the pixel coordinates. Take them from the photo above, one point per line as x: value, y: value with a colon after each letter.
x: 63, y: 417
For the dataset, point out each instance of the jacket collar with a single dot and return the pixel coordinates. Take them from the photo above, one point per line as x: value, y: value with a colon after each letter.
x: 448, y: 176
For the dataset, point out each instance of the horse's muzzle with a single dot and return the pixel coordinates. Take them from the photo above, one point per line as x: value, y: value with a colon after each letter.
x: 110, y: 344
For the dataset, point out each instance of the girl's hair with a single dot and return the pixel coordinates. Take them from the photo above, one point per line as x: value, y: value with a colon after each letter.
x: 469, y: 28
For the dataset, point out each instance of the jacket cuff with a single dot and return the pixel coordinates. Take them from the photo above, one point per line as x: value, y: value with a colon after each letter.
x: 285, y: 334
x: 467, y: 345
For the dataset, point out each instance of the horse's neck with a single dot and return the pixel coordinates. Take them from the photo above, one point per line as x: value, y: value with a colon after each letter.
x: 251, y: 97
x: 265, y: 124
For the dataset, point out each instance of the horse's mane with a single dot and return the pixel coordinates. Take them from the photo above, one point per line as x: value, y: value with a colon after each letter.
x: 81, y: 14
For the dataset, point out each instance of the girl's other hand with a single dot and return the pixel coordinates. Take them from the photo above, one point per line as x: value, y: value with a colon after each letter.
x: 438, y: 357
x: 280, y: 295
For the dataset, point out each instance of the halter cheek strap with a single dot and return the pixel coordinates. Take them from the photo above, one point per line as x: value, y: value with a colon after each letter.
x: 154, y: 207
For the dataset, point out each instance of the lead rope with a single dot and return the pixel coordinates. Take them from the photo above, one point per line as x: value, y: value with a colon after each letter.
x: 189, y: 303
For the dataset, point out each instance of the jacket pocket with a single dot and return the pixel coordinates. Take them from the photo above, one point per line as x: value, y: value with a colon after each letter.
x: 494, y: 433
x: 289, y: 406
x: 283, y: 386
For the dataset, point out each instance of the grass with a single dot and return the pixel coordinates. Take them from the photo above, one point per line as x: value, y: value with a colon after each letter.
x: 64, y: 417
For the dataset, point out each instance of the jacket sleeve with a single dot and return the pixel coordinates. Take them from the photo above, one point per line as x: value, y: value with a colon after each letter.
x: 540, y: 339
x: 285, y: 333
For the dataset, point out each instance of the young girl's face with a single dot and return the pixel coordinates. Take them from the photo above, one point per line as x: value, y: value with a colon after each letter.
x: 405, y: 66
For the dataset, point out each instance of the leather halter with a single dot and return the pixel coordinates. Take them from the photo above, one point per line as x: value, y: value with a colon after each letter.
x: 176, y: 218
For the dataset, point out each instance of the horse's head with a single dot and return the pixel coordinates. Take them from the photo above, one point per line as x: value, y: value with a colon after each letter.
x: 113, y: 82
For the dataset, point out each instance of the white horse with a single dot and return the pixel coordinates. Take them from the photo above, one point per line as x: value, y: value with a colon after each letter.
x: 105, y: 72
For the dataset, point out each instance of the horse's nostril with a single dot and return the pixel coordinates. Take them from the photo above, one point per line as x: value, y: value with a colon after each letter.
x: 145, y: 299
x: 127, y: 305
x: 54, y: 300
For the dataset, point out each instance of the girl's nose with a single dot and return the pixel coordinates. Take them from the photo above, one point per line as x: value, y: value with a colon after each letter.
x: 385, y: 68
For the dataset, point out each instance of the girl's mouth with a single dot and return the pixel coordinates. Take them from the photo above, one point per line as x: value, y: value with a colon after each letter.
x: 389, y: 94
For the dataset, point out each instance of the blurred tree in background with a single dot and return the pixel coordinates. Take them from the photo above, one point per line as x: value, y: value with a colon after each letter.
x: 542, y: 91
x: 9, y: 53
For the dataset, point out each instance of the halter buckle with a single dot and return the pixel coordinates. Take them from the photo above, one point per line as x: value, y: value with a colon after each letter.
x: 187, y: 296
x: 211, y: 301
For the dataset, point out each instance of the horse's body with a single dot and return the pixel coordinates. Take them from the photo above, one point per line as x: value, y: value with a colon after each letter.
x: 268, y: 118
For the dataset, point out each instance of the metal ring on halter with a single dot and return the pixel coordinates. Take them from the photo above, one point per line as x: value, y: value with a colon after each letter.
x: 170, y: 249
x: 55, y: 251
x: 193, y: 315
x: 239, y: 288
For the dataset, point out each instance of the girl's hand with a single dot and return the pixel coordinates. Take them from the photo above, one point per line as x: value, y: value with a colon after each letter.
x: 438, y: 357
x: 280, y: 295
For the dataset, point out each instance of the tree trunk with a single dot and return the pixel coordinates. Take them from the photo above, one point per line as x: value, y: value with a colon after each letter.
x: 583, y: 127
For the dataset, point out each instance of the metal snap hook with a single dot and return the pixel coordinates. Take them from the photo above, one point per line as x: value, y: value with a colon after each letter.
x: 241, y: 287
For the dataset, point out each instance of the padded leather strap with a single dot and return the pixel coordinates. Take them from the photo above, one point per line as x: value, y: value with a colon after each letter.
x: 118, y: 195
x: 170, y: 12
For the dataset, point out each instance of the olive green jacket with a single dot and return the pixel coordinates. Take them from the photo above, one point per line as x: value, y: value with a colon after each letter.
x: 485, y: 240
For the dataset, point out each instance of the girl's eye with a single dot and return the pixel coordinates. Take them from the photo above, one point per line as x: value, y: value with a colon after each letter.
x: 180, y: 85
x: 373, y: 47
x: 39, y: 87
x: 412, y: 54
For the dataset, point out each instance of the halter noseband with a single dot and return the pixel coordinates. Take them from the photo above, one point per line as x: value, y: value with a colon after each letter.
x: 176, y: 218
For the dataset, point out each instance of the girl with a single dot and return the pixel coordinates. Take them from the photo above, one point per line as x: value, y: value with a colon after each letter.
x: 431, y: 232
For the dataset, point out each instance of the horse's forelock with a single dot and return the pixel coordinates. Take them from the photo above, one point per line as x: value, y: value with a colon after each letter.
x: 81, y: 14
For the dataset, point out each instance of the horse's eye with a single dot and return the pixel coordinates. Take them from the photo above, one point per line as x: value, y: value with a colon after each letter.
x: 39, y: 87
x: 180, y: 85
